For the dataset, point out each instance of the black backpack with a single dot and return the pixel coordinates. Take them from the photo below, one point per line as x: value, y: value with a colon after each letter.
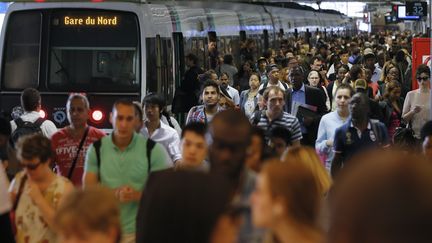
x: 25, y: 128
x: 97, y: 145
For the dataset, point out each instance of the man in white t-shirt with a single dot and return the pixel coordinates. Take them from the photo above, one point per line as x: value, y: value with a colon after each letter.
x: 273, y: 80
x: 31, y: 103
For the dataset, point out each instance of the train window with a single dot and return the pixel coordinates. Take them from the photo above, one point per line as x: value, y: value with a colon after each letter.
x: 94, y: 50
x: 22, y: 49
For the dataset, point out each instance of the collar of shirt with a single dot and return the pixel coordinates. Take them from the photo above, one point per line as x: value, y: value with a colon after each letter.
x: 131, y: 144
x: 301, y: 89
x: 359, y: 132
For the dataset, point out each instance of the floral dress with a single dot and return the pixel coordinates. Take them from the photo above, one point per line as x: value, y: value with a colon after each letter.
x: 30, y: 224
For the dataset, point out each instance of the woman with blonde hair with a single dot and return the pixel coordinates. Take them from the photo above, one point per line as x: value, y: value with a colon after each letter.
x: 286, y: 201
x: 309, y: 158
x: 89, y: 215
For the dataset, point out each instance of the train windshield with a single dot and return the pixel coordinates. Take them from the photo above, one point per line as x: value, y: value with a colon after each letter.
x: 93, y: 51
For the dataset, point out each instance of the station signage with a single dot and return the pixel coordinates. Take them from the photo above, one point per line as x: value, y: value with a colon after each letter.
x: 416, y: 9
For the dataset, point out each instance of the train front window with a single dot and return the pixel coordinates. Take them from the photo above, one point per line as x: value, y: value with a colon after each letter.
x: 94, y: 51
x: 21, y: 51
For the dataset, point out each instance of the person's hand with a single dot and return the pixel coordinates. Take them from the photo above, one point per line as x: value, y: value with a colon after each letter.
x: 126, y: 194
x: 329, y: 143
x: 417, y: 109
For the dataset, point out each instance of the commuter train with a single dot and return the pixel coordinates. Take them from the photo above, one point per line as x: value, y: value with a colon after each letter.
x: 112, y: 50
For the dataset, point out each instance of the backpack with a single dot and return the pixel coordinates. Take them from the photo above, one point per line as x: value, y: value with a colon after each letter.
x: 25, y: 128
x: 97, y: 145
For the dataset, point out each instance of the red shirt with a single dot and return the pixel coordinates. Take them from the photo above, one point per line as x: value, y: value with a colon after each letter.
x: 65, y: 148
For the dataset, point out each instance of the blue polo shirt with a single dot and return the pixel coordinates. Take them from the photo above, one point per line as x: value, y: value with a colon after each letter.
x: 128, y: 167
x: 349, y: 140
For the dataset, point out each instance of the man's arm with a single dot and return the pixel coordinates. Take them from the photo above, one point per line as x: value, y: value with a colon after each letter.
x: 336, y: 164
x: 90, y: 176
x: 89, y: 179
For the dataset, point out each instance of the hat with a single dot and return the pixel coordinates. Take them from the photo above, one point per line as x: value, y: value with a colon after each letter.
x: 262, y: 59
x: 367, y: 44
x: 271, y: 67
x: 368, y: 53
x: 360, y: 84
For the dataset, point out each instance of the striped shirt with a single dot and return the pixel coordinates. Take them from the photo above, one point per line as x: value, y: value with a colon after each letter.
x: 286, y: 120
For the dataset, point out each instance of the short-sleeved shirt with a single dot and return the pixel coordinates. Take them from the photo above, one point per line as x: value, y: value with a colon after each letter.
x: 128, y: 167
x: 48, y: 128
x: 290, y: 122
x: 30, y: 223
x: 349, y: 140
x: 65, y: 148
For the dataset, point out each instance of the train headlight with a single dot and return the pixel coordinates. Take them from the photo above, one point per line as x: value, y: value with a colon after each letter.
x: 42, y: 113
x: 97, y: 115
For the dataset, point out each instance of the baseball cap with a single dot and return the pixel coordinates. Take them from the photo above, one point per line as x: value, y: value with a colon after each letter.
x: 360, y: 84
x: 368, y: 53
x: 261, y: 59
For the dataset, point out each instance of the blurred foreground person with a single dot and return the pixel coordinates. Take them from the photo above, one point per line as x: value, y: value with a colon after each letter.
x: 36, y: 191
x: 193, y: 147
x: 309, y: 158
x: 83, y: 218
x: 286, y: 201
x: 187, y: 207
x: 426, y: 136
x: 384, y: 197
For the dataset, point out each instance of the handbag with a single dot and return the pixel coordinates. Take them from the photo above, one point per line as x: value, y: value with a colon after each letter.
x: 12, y: 213
x: 404, y: 136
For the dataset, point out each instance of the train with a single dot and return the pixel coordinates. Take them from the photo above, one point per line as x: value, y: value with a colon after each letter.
x: 112, y: 50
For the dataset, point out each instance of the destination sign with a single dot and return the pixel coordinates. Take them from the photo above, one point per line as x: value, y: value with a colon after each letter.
x: 73, y: 21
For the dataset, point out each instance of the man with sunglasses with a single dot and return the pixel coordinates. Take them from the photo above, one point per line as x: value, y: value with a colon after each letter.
x: 70, y: 144
x: 416, y: 108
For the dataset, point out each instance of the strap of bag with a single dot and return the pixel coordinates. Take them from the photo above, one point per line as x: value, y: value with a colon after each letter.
x: 19, y: 193
x: 19, y: 122
x: 257, y: 116
x: 72, y: 168
x: 150, y: 145
x: 39, y: 121
x: 97, y: 144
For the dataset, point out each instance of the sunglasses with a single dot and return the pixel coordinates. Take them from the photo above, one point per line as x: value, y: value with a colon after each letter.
x: 30, y: 166
x: 422, y: 78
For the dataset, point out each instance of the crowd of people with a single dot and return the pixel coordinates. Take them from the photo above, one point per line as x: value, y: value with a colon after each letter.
x: 309, y: 143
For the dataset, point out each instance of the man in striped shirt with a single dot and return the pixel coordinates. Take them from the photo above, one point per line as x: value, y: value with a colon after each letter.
x: 274, y: 115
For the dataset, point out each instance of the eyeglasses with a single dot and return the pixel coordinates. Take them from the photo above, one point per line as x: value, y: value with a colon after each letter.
x: 30, y: 166
x: 422, y: 78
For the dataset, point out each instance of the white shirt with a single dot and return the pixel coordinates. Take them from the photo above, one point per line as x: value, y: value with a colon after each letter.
x: 376, y: 75
x: 174, y: 122
x: 279, y: 84
x: 168, y: 137
x: 5, y: 203
x: 48, y: 128
x: 234, y: 94
x: 332, y: 69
